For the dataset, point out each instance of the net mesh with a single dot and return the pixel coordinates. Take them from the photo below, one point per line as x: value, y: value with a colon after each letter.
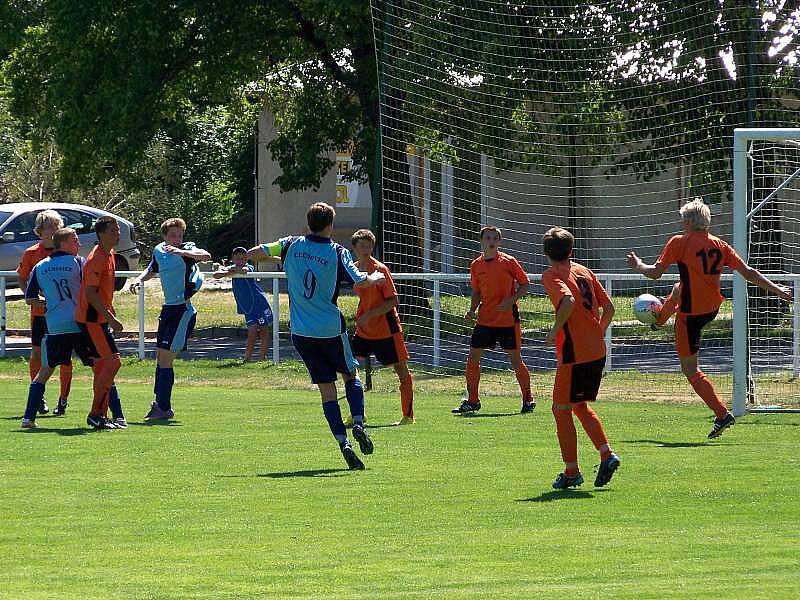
x: 600, y: 117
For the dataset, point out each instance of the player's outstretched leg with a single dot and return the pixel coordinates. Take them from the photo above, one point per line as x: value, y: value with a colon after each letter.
x: 568, y: 442
x: 593, y: 426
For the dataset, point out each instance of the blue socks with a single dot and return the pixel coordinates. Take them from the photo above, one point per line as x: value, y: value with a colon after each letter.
x: 355, y: 398
x: 333, y: 414
x: 114, y: 403
x: 35, y: 395
x: 165, y: 378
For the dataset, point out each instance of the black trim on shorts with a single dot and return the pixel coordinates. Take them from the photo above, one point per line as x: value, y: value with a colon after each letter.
x: 38, y: 330
x: 586, y: 378
x: 694, y: 329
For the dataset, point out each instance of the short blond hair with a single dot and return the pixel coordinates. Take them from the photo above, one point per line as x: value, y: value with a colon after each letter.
x: 697, y: 214
x: 174, y: 222
x: 47, y: 218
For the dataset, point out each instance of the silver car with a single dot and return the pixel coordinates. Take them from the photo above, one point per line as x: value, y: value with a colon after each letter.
x: 16, y: 233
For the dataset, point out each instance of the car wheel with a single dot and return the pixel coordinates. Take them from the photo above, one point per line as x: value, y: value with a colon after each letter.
x: 120, y: 264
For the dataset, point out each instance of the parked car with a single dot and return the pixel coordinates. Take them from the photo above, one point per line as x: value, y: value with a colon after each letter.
x: 16, y: 233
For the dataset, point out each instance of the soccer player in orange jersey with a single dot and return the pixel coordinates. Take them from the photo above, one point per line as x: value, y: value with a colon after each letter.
x: 578, y: 334
x: 498, y: 281
x: 378, y: 329
x: 46, y: 224
x: 700, y: 257
x: 95, y: 317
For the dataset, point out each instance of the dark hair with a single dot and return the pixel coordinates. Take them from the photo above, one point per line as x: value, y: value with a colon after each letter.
x: 103, y: 223
x: 558, y: 243
x: 62, y: 235
x: 492, y: 228
x: 239, y: 250
x: 362, y: 235
x: 319, y: 216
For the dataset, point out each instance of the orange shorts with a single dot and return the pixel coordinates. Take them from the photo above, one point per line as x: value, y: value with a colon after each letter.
x: 689, y: 330
x: 99, y: 341
x: 578, y: 382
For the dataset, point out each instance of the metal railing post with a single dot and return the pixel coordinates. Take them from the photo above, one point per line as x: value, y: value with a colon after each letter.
x: 140, y: 301
x: 610, y: 291
x: 276, y: 320
x: 2, y: 316
x: 437, y: 313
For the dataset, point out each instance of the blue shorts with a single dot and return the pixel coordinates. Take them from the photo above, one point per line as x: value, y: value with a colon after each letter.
x: 57, y: 348
x: 259, y: 318
x: 175, y: 326
x: 325, y: 357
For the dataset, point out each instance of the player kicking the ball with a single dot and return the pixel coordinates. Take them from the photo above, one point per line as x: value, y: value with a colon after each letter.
x: 315, y: 266
x: 498, y: 281
x: 700, y: 257
x: 579, y: 337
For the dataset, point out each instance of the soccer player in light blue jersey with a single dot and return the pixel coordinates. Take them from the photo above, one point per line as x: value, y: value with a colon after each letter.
x: 57, y: 279
x: 251, y: 301
x: 175, y: 261
x: 315, y: 266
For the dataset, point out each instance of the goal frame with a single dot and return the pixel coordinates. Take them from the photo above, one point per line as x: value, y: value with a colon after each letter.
x: 741, y: 217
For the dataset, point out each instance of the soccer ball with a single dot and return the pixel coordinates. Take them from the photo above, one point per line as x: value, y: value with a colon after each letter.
x: 646, y: 307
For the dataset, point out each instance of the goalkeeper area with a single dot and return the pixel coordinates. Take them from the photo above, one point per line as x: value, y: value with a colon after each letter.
x: 603, y: 118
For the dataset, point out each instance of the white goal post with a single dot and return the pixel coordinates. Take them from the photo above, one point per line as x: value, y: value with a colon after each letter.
x: 785, y: 180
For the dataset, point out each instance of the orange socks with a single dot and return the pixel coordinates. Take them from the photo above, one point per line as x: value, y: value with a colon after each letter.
x: 105, y: 369
x: 34, y: 364
x: 473, y: 373
x: 705, y: 389
x: 593, y: 428
x: 407, y: 396
x: 524, y: 380
x: 65, y: 375
x: 567, y: 438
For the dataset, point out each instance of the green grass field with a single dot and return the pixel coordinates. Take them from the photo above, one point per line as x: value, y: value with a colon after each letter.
x: 245, y: 495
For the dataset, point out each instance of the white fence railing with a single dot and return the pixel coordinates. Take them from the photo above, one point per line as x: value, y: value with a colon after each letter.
x: 436, y: 279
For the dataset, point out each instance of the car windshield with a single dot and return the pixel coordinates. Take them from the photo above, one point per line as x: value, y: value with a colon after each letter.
x: 4, y: 216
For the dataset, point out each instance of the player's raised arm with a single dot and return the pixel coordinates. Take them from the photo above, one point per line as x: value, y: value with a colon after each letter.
x: 654, y: 271
x: 266, y: 252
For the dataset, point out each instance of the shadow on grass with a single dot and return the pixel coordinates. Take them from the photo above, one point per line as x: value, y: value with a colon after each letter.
x: 307, y: 473
x: 487, y: 415
x: 663, y: 444
x: 72, y: 431
x: 570, y: 494
x: 161, y: 423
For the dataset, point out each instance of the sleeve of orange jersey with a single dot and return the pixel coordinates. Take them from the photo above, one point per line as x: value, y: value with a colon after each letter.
x: 669, y: 255
x: 518, y: 272
x: 25, y: 265
x: 473, y: 280
x: 92, y: 273
x: 555, y: 287
x: 387, y: 287
x: 732, y: 259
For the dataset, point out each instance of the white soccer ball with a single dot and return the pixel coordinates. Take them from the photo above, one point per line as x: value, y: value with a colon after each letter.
x: 647, y: 307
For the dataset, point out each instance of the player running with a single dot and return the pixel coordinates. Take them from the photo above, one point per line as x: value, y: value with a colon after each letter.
x: 45, y: 225
x: 315, y: 266
x: 700, y: 257
x: 176, y: 263
x: 498, y: 281
x: 578, y: 334
x: 378, y: 329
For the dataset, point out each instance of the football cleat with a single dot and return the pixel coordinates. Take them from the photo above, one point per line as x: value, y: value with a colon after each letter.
x: 43, y: 408
x: 721, y: 425
x: 564, y: 481
x: 353, y: 462
x: 466, y: 408
x: 121, y: 423
x: 28, y: 424
x: 99, y: 422
x: 156, y: 414
x: 61, y: 408
x: 527, y: 407
x: 366, y: 445
x: 606, y: 470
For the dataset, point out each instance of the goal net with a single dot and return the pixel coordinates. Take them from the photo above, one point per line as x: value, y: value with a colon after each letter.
x: 767, y: 215
x: 601, y: 117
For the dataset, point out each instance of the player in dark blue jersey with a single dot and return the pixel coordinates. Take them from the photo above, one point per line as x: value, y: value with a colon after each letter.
x: 251, y: 301
x: 175, y: 261
x: 315, y: 266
